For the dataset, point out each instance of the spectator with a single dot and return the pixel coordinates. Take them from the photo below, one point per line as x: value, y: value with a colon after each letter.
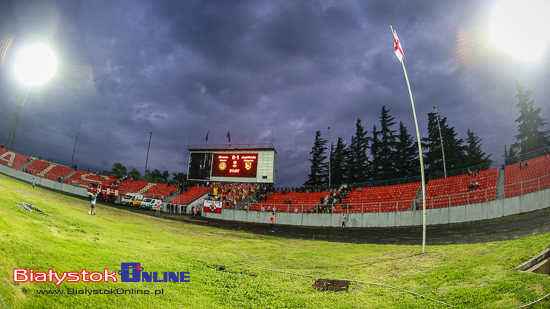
x: 158, y: 209
x: 272, y: 223
x: 92, y: 205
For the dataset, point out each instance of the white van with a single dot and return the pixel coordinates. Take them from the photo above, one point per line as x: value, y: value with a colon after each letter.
x: 127, y: 199
x: 150, y: 203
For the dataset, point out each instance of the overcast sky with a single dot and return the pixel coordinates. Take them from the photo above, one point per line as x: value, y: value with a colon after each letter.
x: 262, y: 70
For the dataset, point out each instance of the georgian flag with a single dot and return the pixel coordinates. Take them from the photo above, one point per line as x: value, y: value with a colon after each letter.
x: 397, y: 45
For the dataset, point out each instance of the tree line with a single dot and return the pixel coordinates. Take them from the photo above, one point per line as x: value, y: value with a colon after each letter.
x: 119, y: 170
x: 390, y: 152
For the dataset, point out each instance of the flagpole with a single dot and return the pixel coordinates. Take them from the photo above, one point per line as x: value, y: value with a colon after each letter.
x: 420, y: 154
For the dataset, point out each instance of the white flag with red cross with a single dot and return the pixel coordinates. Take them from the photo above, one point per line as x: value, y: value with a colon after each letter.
x: 397, y: 46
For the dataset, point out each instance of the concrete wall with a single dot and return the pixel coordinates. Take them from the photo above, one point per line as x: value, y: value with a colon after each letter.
x: 46, y: 183
x: 481, y: 211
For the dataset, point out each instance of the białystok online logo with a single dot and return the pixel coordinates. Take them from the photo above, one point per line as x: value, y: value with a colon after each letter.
x: 129, y: 272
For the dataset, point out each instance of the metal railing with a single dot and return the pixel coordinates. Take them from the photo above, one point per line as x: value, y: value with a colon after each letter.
x: 380, y: 206
x: 526, y: 156
x: 527, y: 186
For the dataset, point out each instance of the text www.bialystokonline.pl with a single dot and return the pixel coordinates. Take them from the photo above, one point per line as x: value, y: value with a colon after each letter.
x: 118, y: 291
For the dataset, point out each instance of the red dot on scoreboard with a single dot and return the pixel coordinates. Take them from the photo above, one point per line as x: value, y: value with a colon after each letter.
x: 138, y: 267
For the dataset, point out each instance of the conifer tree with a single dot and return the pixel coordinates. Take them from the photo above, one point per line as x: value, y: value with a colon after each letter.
x: 454, y: 148
x: 319, y: 164
x: 337, y: 162
x: 529, y: 137
x: 375, y: 166
x: 406, y: 154
x: 387, y: 146
x: 512, y: 152
x: 357, y: 159
x: 474, y: 155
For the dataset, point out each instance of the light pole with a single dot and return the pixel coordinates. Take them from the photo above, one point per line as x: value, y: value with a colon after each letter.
x: 329, y: 155
x: 15, y: 118
x: 441, y: 139
x: 76, y: 139
x: 147, y: 159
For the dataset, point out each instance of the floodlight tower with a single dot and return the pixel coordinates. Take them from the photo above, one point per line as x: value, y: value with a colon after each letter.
x: 35, y: 65
x: 441, y: 139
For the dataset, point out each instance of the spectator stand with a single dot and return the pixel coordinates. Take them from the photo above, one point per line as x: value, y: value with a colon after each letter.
x: 527, y: 173
x: 187, y: 197
x: 158, y: 190
x: 47, y: 170
x: 83, y: 179
x: 390, y: 198
x: 234, y: 194
x: 462, y: 189
x: 134, y: 186
x: 12, y: 159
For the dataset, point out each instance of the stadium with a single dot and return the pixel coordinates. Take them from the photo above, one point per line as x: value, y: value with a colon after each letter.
x: 383, y: 214
x: 377, y: 224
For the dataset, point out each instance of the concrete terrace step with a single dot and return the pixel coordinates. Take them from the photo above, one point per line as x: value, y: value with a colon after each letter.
x: 22, y: 168
x: 68, y: 176
x: 147, y: 187
x: 500, y: 186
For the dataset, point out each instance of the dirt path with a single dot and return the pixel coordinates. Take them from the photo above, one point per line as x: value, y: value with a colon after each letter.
x: 501, y: 229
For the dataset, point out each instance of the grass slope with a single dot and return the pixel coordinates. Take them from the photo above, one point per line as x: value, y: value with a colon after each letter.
x: 68, y: 239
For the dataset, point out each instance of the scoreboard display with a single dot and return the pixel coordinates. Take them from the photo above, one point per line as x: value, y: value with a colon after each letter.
x: 232, y: 165
x: 235, y: 165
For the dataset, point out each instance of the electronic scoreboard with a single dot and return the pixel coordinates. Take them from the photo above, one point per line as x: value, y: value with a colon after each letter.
x: 232, y: 164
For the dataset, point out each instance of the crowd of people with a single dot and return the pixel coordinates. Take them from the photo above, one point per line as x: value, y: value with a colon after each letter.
x: 232, y: 193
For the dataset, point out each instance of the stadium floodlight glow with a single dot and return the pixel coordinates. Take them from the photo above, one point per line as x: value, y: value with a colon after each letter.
x: 521, y: 28
x: 35, y: 65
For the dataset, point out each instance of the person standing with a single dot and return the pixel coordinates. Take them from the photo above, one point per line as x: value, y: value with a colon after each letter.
x: 92, y: 204
x: 272, y: 223
x: 343, y: 220
x: 33, y: 182
x: 158, y: 209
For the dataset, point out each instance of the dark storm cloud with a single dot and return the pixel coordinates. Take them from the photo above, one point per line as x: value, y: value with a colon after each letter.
x: 263, y: 70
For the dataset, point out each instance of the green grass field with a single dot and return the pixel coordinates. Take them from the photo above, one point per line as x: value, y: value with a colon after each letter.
x: 68, y: 239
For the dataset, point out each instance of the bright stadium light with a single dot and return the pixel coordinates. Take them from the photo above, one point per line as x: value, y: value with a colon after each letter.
x: 521, y: 28
x: 35, y: 65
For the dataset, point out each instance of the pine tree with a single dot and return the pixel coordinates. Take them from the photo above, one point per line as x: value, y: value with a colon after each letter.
x: 387, y: 146
x: 357, y: 159
x: 406, y: 154
x: 337, y: 162
x: 454, y: 149
x: 529, y: 136
x: 319, y: 165
x: 509, y: 154
x: 474, y: 153
x: 375, y: 166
